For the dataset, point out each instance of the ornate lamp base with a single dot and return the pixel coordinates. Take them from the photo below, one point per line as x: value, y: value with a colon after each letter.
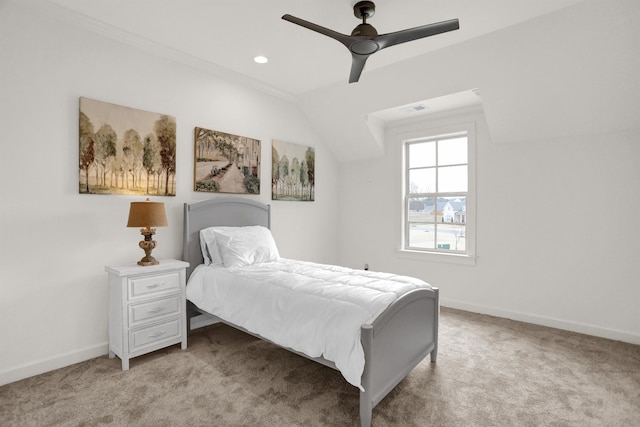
x: 148, y: 244
x: 147, y: 261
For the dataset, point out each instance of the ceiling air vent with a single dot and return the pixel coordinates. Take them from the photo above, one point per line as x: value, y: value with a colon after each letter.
x: 413, y: 108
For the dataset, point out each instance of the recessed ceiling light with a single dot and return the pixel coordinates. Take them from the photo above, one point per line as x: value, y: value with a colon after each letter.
x: 261, y: 59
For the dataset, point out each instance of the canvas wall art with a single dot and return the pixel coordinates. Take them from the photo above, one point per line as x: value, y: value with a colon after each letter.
x: 126, y: 151
x: 292, y: 171
x: 226, y: 163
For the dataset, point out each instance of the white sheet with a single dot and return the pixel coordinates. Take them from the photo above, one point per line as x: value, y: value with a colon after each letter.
x: 312, y: 308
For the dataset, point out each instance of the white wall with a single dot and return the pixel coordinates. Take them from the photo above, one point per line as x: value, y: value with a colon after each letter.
x: 557, y: 234
x: 54, y: 242
x: 557, y: 180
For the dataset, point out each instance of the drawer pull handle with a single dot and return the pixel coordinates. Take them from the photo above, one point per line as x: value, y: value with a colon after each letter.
x: 157, y: 309
x: 157, y: 334
x: 155, y: 285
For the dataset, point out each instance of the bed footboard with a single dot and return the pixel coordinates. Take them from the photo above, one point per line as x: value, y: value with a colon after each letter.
x: 397, y: 341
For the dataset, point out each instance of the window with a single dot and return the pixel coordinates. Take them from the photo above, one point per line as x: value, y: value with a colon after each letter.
x: 436, y: 194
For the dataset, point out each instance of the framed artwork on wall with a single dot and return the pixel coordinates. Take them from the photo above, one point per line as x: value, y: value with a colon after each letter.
x: 226, y: 163
x: 126, y: 151
x: 292, y: 171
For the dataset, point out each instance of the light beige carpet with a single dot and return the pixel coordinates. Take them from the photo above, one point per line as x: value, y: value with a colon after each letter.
x: 490, y: 372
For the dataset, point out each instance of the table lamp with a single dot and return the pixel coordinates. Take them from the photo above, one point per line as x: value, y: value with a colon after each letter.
x: 147, y: 214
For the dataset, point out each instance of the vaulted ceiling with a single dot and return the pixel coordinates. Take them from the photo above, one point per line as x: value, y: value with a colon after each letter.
x: 230, y: 34
x: 535, y: 63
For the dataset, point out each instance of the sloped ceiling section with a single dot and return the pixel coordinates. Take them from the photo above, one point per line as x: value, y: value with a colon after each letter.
x: 228, y: 34
x: 570, y: 73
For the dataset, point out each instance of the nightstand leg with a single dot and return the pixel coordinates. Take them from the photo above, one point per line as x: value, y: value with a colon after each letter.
x: 111, y: 354
x: 184, y: 344
x: 125, y: 364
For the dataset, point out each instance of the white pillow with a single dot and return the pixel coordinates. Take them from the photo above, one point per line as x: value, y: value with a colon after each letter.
x: 205, y: 252
x: 209, y: 247
x: 246, y: 245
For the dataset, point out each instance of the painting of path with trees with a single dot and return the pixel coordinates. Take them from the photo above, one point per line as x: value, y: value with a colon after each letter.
x: 292, y: 171
x: 126, y: 151
x: 226, y: 163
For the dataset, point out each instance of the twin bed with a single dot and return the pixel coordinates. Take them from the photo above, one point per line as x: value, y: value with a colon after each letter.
x: 373, y: 327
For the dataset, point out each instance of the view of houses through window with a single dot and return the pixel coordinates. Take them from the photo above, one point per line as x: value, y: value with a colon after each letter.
x: 436, y: 187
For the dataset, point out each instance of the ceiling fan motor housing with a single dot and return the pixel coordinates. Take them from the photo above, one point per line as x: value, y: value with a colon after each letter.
x: 364, y: 30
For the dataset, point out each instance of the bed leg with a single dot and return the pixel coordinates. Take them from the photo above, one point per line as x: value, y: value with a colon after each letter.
x: 366, y: 396
x: 436, y: 326
x: 190, y: 313
x: 365, y: 410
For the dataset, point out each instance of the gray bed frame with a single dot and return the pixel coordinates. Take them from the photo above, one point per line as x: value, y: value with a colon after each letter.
x: 395, y: 342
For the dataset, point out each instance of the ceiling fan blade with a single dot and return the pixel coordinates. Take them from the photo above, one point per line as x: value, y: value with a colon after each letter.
x: 357, y: 66
x: 342, y: 38
x: 403, y: 36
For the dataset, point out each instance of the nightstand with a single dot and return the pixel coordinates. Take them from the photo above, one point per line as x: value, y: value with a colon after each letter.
x: 147, y: 308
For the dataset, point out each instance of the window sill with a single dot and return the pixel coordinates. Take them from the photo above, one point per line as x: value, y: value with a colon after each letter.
x: 437, y: 257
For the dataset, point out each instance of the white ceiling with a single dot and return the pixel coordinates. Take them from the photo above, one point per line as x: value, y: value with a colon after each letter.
x: 225, y: 35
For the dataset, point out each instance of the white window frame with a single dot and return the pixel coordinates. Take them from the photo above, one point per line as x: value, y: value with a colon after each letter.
x: 436, y: 194
x: 424, y: 130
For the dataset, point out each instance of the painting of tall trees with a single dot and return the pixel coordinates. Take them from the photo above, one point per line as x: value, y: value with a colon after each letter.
x: 292, y: 171
x: 126, y: 151
x: 226, y: 163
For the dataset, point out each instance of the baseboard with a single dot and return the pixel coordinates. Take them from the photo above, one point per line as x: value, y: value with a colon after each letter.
x: 42, y: 366
x: 551, y: 322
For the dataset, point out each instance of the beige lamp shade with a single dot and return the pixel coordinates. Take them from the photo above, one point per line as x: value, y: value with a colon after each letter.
x: 147, y: 214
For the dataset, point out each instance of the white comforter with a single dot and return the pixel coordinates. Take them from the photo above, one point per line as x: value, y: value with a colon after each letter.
x: 312, y: 308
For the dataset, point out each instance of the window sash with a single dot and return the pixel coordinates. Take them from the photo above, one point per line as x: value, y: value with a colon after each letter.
x: 432, y: 233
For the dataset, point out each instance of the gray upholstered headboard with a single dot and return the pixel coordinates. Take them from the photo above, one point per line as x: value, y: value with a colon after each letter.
x: 222, y: 211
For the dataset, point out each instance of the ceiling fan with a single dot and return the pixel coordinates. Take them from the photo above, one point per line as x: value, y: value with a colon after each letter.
x: 365, y: 40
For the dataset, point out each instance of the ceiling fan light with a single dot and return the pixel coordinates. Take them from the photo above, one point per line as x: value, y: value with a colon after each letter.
x: 261, y: 59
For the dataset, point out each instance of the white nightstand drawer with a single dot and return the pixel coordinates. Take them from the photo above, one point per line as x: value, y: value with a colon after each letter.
x: 148, y: 336
x: 159, y: 283
x: 143, y: 312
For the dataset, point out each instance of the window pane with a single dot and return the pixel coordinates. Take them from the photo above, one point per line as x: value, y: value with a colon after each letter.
x: 422, y: 180
x: 451, y: 237
x: 452, y: 179
x: 417, y: 211
x: 451, y: 210
x: 452, y: 151
x: 422, y: 154
x: 434, y: 209
x: 421, y: 236
x: 459, y: 210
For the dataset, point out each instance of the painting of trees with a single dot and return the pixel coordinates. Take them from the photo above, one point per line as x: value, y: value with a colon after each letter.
x: 116, y: 159
x: 150, y: 159
x: 292, y: 171
x: 226, y: 163
x: 165, y: 129
x: 87, y: 147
